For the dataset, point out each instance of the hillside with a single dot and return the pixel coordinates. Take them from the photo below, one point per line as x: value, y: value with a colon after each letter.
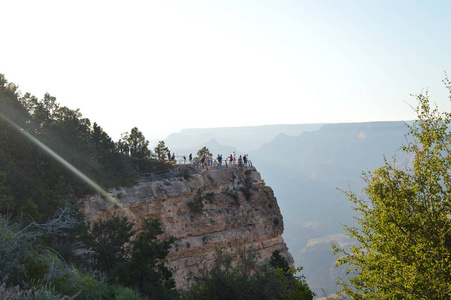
x: 63, y: 235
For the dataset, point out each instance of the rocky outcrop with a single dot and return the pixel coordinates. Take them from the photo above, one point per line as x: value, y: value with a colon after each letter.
x: 202, y: 209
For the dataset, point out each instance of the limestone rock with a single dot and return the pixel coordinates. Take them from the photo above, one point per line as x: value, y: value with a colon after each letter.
x: 202, y: 209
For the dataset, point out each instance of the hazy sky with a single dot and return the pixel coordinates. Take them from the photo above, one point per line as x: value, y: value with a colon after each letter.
x: 167, y: 65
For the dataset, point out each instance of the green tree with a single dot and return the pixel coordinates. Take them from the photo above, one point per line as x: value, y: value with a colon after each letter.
x: 204, y: 152
x: 241, y: 277
x: 29, y: 212
x: 278, y: 261
x: 139, y: 146
x: 103, y: 143
x: 107, y: 240
x: 161, y: 151
x: 146, y: 270
x: 6, y: 199
x: 404, y: 237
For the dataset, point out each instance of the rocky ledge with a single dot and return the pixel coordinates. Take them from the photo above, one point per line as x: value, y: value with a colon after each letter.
x: 202, y: 209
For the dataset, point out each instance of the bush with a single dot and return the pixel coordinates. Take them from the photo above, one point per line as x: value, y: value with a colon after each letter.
x: 244, y: 278
x: 196, y: 205
x: 41, y: 294
x: 246, y: 192
x: 124, y: 293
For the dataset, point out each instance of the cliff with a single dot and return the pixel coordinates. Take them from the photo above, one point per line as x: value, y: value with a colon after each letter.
x: 202, y: 209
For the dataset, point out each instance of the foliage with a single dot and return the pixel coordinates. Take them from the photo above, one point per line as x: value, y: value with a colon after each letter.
x: 404, y: 249
x: 204, y: 152
x: 39, y: 228
x: 32, y: 181
x: 138, y: 144
x: 41, y: 294
x: 185, y: 173
x: 136, y: 264
x: 244, y: 278
x: 23, y: 257
x: 9, y: 293
x: 107, y: 241
x: 277, y: 261
x: 119, y: 292
x: 145, y: 270
x: 197, y: 204
x: 26, y: 262
x: 161, y: 151
x: 246, y: 192
x: 136, y: 147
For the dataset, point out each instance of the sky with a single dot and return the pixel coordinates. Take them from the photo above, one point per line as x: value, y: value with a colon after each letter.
x: 167, y: 65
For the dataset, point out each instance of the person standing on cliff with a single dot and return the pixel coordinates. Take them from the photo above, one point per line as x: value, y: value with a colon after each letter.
x: 202, y: 161
x: 219, y: 160
x: 190, y: 158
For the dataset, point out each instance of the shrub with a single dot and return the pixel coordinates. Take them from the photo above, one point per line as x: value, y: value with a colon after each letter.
x: 246, y: 192
x: 241, y: 277
x: 196, y: 205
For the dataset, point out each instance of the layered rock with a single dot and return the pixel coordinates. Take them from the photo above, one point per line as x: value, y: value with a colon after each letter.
x: 202, y: 209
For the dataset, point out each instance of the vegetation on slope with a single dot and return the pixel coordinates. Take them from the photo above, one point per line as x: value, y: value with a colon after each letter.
x: 241, y: 277
x: 49, y: 156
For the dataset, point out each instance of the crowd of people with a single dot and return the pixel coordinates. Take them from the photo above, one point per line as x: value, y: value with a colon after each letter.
x: 207, y: 161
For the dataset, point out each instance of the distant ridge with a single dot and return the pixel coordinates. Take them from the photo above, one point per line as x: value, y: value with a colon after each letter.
x: 305, y: 164
x: 244, y: 138
x: 249, y: 138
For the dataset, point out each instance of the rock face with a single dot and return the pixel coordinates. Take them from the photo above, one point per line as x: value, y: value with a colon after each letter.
x: 202, y: 209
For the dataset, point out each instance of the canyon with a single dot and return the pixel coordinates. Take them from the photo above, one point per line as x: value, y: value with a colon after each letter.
x: 308, y: 166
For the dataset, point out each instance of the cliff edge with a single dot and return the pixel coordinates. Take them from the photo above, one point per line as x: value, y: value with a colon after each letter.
x: 229, y: 206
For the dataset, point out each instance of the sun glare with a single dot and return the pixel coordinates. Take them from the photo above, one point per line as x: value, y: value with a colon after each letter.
x: 62, y: 161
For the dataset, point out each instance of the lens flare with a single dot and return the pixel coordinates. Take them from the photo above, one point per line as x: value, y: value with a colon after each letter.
x: 62, y: 161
